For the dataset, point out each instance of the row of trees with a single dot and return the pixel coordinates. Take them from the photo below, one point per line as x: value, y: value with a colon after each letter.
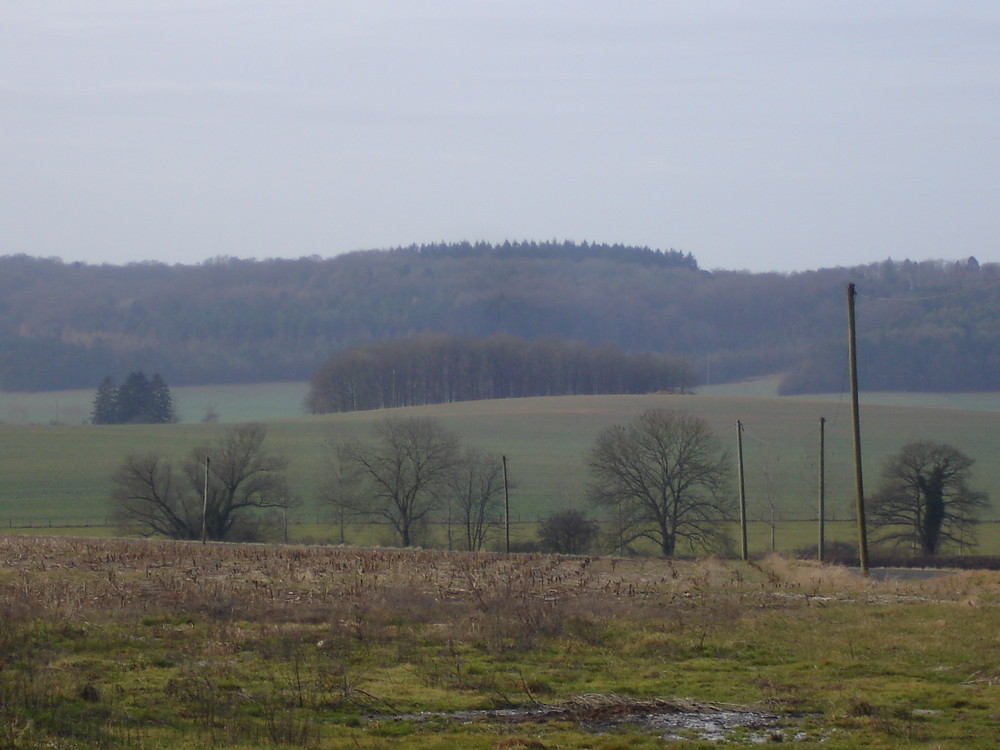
x: 138, y: 400
x: 564, y: 251
x: 662, y: 477
x: 412, y: 469
x: 435, y: 369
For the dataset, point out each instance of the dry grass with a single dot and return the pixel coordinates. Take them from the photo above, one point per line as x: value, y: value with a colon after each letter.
x: 246, y: 645
x: 86, y: 577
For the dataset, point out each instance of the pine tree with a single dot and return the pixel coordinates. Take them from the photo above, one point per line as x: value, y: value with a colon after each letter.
x: 161, y: 405
x: 134, y: 399
x: 106, y: 403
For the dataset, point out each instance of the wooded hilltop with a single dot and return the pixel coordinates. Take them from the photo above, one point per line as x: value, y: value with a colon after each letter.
x: 923, y: 326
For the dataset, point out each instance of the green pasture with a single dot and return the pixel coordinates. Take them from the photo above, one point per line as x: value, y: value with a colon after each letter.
x: 767, y: 387
x: 60, y: 473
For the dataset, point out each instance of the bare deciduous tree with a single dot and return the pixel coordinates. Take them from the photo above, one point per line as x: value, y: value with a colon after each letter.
x: 402, y: 476
x: 665, y: 474
x: 476, y: 486
x: 146, y: 495
x: 924, y: 499
x: 153, y: 497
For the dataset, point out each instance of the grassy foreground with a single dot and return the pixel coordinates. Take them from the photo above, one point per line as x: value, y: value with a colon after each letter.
x: 124, y: 643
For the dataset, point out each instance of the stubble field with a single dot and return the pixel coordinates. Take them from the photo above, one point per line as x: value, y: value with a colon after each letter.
x: 127, y: 643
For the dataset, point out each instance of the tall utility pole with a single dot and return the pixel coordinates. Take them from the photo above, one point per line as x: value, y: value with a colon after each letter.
x: 506, y: 508
x: 204, y: 504
x: 822, y: 489
x: 859, y: 485
x: 340, y: 498
x: 743, y: 492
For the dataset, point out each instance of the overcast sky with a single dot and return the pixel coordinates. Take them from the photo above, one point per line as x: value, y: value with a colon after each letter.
x: 767, y: 135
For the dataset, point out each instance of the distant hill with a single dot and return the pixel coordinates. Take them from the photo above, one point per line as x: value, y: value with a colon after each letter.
x: 922, y: 326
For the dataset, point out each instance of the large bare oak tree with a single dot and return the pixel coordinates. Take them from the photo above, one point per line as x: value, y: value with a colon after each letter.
x: 664, y: 475
x: 402, y: 476
x: 153, y: 497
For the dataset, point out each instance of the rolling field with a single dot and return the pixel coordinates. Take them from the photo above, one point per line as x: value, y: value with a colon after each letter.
x: 61, y: 472
x: 767, y: 387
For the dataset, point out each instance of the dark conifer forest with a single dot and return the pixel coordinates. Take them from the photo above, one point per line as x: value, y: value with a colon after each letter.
x: 138, y: 400
x: 928, y: 325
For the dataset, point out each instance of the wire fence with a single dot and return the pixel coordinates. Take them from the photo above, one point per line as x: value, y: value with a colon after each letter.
x: 333, y: 519
x: 330, y: 527
x: 55, y: 522
x: 299, y: 519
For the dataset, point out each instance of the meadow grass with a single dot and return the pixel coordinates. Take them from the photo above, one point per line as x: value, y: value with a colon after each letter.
x: 125, y: 643
x: 62, y: 472
x: 767, y: 387
x: 241, y: 402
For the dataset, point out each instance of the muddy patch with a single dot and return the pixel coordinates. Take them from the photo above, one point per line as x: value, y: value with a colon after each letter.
x: 670, y: 719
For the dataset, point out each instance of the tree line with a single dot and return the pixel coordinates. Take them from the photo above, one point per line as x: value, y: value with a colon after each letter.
x: 921, y: 325
x: 663, y: 478
x: 564, y: 251
x: 433, y: 369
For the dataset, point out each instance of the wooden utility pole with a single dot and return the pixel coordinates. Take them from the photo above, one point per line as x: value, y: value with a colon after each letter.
x: 743, y: 492
x: 449, y: 524
x: 859, y: 484
x: 204, y: 504
x: 506, y: 508
x: 340, y: 498
x: 822, y: 489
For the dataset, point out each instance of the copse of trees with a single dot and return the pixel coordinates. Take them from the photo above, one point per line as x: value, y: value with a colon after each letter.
x: 139, y: 400
x: 440, y: 369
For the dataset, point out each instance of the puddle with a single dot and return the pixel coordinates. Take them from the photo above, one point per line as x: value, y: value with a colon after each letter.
x: 671, y: 719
